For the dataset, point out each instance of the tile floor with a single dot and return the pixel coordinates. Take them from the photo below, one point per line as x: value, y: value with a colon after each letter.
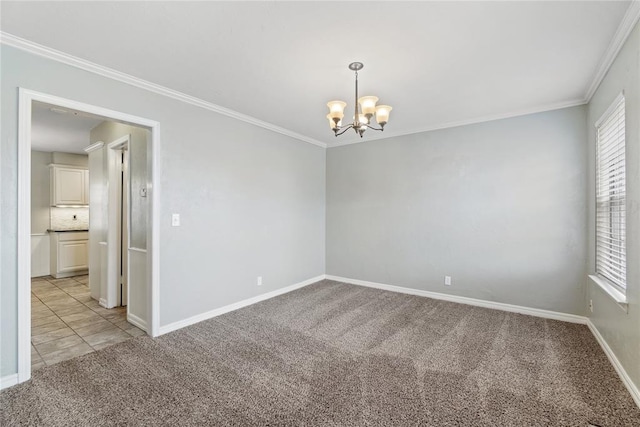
x: 66, y: 322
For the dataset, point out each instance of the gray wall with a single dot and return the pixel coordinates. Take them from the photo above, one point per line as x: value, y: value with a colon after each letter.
x: 40, y: 189
x: 498, y: 206
x: 97, y: 220
x: 252, y: 201
x: 620, y: 329
x: 139, y: 165
x: 108, y: 132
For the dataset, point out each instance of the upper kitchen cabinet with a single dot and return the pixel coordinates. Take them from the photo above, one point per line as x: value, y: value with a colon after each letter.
x: 69, y: 185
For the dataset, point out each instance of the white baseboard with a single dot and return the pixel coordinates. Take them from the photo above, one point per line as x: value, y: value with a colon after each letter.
x: 626, y: 380
x: 8, y: 381
x: 103, y: 302
x: 235, y: 306
x: 547, y: 314
x: 136, y: 321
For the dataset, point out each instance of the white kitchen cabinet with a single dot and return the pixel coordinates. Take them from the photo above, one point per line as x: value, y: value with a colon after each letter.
x: 69, y: 185
x: 69, y: 253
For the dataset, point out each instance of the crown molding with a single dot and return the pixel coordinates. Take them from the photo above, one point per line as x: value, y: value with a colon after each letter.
x: 477, y: 120
x: 56, y: 55
x: 631, y: 17
x: 629, y: 20
x: 93, y: 147
x: 620, y: 37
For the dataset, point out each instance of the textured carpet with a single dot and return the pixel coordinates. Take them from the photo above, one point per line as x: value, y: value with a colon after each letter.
x: 336, y: 354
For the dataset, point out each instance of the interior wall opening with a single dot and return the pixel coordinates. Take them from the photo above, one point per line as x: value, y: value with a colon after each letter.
x: 83, y: 285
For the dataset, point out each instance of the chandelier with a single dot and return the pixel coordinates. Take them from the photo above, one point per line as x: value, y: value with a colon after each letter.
x: 362, y: 115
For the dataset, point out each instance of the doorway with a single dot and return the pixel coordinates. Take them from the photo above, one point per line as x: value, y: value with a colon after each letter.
x: 118, y: 223
x: 148, y: 263
x: 122, y: 200
x: 118, y: 230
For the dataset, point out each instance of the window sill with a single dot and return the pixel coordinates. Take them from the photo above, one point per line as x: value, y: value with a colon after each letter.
x: 611, y: 291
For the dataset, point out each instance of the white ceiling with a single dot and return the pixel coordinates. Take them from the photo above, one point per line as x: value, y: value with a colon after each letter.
x: 62, y: 130
x: 436, y: 63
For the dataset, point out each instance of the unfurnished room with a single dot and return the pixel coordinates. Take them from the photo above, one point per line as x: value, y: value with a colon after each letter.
x: 384, y: 213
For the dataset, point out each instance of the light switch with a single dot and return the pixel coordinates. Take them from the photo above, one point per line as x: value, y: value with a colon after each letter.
x: 175, y: 220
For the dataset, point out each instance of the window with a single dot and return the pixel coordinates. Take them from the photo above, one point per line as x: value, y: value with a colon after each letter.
x: 611, y: 260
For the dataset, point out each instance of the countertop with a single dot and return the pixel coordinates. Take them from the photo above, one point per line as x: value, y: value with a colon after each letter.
x: 66, y: 231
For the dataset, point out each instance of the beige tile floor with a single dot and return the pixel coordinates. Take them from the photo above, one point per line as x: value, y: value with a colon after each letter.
x: 66, y: 322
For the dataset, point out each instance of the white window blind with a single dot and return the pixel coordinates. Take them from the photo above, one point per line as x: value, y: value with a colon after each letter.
x: 611, y: 260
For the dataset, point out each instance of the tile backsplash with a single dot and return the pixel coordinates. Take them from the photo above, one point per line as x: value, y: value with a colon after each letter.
x: 63, y: 218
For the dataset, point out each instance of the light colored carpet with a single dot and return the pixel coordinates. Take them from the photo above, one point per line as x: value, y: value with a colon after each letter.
x: 337, y: 354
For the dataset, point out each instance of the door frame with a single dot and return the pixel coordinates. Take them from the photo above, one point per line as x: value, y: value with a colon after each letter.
x: 114, y: 245
x: 26, y: 97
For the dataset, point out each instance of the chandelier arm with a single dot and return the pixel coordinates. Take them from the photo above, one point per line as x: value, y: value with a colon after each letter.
x: 371, y: 127
x: 343, y: 130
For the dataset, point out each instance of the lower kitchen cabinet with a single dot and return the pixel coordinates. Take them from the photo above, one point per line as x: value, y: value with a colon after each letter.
x: 69, y: 253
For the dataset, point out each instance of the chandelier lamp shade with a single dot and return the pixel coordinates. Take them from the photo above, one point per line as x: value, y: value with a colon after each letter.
x: 364, y: 110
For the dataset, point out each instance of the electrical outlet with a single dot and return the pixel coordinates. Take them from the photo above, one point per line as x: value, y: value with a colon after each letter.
x: 447, y: 280
x: 259, y: 281
x: 591, y: 305
x: 175, y: 220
